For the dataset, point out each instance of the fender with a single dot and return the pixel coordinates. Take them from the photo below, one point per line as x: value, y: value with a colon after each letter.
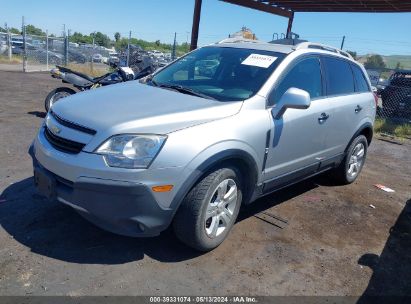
x: 207, y: 165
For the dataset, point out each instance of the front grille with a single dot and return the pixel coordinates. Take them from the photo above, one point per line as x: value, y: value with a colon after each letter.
x: 62, y: 144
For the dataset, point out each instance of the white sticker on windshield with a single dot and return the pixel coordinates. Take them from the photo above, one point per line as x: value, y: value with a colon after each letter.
x: 262, y: 61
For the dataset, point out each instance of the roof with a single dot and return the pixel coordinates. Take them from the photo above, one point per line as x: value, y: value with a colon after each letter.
x: 255, y: 45
x: 287, y: 7
x: 279, y: 48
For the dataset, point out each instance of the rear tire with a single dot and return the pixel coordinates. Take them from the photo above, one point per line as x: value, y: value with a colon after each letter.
x: 353, y: 162
x: 56, y: 95
x: 209, y: 210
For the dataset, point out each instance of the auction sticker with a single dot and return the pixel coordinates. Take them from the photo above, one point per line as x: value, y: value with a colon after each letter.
x: 262, y: 61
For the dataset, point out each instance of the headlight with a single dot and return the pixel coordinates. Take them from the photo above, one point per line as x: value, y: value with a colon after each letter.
x: 131, y: 151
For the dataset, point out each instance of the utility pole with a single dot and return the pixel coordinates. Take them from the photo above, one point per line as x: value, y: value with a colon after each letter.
x: 47, y: 50
x: 128, y: 49
x: 9, y: 46
x: 342, y: 42
x: 67, y: 47
x: 94, y: 41
x: 23, y: 29
x: 173, y: 53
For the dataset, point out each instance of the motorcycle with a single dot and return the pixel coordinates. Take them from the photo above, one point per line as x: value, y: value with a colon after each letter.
x: 83, y: 82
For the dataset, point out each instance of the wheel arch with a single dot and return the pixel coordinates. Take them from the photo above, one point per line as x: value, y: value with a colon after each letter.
x: 365, y: 129
x: 237, y: 158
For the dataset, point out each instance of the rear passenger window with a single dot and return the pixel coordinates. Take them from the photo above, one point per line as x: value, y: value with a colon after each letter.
x: 305, y: 75
x: 361, y: 85
x: 339, y: 76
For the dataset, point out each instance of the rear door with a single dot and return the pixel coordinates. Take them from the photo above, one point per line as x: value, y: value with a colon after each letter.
x: 349, y: 95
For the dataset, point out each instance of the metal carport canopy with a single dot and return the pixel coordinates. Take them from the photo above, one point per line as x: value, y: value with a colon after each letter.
x: 287, y: 8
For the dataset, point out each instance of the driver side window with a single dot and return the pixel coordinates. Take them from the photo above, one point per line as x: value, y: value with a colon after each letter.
x: 304, y: 75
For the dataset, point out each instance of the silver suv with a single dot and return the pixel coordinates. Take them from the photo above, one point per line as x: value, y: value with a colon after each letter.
x: 190, y: 144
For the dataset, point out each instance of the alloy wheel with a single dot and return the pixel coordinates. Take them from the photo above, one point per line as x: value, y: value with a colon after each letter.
x: 220, y: 209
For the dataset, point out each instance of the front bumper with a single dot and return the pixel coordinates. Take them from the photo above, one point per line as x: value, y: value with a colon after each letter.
x: 121, y: 207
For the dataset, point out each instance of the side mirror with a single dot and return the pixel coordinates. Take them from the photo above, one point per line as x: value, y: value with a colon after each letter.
x: 293, y: 98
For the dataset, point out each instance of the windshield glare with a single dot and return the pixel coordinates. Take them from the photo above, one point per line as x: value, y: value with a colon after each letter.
x: 224, y: 74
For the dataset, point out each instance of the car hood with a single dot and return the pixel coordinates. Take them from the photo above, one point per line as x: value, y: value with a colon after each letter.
x: 139, y: 108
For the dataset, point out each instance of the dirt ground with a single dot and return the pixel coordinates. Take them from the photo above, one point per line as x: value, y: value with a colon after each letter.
x: 329, y: 241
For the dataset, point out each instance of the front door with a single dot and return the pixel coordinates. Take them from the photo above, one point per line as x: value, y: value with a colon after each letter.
x: 297, y: 140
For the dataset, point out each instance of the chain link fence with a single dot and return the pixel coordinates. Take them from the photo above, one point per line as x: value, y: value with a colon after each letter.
x: 41, y: 53
x: 393, y: 88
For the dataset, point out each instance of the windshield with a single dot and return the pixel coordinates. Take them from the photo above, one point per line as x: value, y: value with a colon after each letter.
x: 221, y: 73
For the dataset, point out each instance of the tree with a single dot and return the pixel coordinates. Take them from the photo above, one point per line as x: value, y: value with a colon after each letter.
x: 398, y: 66
x: 121, y: 44
x: 3, y: 30
x: 13, y: 30
x: 374, y: 62
x: 77, y: 37
x: 353, y: 54
x: 117, y: 36
x: 101, y: 39
x: 157, y: 42
x: 32, y: 30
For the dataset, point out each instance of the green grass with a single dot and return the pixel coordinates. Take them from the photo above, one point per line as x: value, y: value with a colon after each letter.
x: 389, y: 127
x: 391, y: 61
x: 14, y: 60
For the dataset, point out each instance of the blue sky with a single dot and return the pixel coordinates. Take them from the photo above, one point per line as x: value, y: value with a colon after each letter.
x: 158, y: 19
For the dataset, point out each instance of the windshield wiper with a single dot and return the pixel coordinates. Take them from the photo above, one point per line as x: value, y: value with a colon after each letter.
x: 151, y: 80
x: 182, y: 89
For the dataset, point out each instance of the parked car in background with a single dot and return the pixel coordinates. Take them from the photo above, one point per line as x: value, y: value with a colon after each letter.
x: 157, y: 54
x: 188, y: 151
x: 138, y: 59
x: 3, y: 46
x: 382, y: 83
x: 75, y: 55
x: 396, y: 97
x: 113, y: 60
x: 38, y: 54
x: 97, y: 58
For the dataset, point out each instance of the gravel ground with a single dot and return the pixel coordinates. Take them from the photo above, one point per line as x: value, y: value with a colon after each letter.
x: 331, y: 241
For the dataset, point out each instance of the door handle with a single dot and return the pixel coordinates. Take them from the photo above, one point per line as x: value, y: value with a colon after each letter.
x: 323, y: 117
x: 358, y: 109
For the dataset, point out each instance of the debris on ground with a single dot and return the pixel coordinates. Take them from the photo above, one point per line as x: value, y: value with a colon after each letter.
x: 372, y: 206
x: 384, y: 188
x: 272, y: 219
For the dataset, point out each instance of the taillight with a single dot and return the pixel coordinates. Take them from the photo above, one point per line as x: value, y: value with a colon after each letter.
x: 376, y: 100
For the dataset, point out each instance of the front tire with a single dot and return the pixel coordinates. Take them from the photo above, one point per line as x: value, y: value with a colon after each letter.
x: 56, y: 95
x: 209, y: 210
x: 353, y: 162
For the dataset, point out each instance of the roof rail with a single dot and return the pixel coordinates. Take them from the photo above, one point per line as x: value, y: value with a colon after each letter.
x: 239, y: 40
x: 312, y: 45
